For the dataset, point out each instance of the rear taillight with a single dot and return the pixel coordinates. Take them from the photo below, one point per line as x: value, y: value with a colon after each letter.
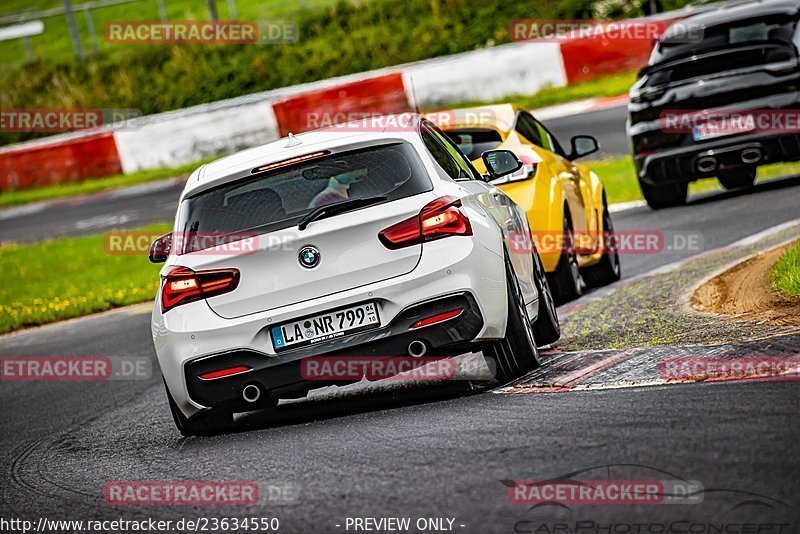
x: 182, y: 285
x: 441, y: 218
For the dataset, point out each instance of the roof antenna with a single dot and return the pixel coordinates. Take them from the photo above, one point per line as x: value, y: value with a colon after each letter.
x: 293, y: 141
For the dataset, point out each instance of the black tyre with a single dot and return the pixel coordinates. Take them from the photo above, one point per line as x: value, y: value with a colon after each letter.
x: 664, y: 196
x: 546, y: 329
x: 737, y: 179
x: 206, y: 423
x: 608, y: 269
x: 516, y: 353
x: 566, y: 282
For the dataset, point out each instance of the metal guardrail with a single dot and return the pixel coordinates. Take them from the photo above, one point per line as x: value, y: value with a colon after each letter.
x: 56, y: 11
x: 68, y: 10
x: 23, y: 30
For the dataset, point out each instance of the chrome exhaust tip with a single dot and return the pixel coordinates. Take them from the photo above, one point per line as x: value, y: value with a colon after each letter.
x: 751, y: 155
x: 417, y: 348
x: 706, y: 164
x: 251, y: 393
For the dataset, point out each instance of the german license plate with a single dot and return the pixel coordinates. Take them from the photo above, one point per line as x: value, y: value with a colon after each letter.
x: 325, y: 326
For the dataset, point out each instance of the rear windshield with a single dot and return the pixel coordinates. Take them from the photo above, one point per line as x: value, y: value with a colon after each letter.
x: 475, y: 141
x: 776, y: 29
x: 278, y: 200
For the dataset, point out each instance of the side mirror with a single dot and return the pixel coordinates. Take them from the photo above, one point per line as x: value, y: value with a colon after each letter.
x: 583, y: 145
x: 500, y: 162
x: 160, y: 248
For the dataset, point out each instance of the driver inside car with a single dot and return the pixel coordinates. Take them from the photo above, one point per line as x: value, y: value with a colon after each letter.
x: 336, y: 190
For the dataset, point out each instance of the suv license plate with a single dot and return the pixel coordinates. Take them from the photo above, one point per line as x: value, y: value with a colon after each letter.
x: 713, y: 129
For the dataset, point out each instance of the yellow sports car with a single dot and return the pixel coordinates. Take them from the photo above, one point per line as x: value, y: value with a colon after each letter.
x: 565, y: 201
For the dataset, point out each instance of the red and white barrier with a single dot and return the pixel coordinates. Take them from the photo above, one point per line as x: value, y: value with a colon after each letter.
x: 487, y: 74
x: 383, y: 94
x: 67, y: 159
x: 185, y: 136
x: 597, y: 55
x: 172, y: 139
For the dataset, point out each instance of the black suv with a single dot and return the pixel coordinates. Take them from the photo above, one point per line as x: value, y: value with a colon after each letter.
x: 702, y: 106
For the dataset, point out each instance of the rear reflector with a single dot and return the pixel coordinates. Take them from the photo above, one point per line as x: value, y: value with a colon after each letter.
x: 440, y: 218
x: 438, y: 318
x: 222, y: 373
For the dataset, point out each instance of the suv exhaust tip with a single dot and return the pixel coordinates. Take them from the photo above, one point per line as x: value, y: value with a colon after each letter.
x: 751, y: 155
x: 706, y: 164
x: 417, y: 348
x: 251, y: 393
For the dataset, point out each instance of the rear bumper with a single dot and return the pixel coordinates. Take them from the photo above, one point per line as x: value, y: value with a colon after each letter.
x: 284, y: 375
x: 448, y: 267
x: 685, y: 163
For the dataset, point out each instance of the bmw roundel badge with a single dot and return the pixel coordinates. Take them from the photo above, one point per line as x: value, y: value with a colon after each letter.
x: 309, y: 257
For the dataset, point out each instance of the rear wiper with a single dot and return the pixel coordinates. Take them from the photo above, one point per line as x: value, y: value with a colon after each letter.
x: 337, y: 207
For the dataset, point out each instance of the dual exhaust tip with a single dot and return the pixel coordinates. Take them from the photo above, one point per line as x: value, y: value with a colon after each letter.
x: 251, y: 393
x: 747, y: 156
x: 417, y: 348
x: 706, y: 164
x: 751, y: 155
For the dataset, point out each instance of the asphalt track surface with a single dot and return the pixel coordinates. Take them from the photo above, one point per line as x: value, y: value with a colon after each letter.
x: 442, y: 451
x: 606, y: 125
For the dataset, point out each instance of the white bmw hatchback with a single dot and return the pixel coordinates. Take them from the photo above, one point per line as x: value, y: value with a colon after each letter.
x: 348, y: 241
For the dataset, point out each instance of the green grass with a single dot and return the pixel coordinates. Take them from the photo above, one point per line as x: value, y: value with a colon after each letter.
x: 55, y: 42
x: 50, y: 192
x: 614, y: 85
x: 786, y: 273
x: 65, y: 278
x: 619, y: 177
